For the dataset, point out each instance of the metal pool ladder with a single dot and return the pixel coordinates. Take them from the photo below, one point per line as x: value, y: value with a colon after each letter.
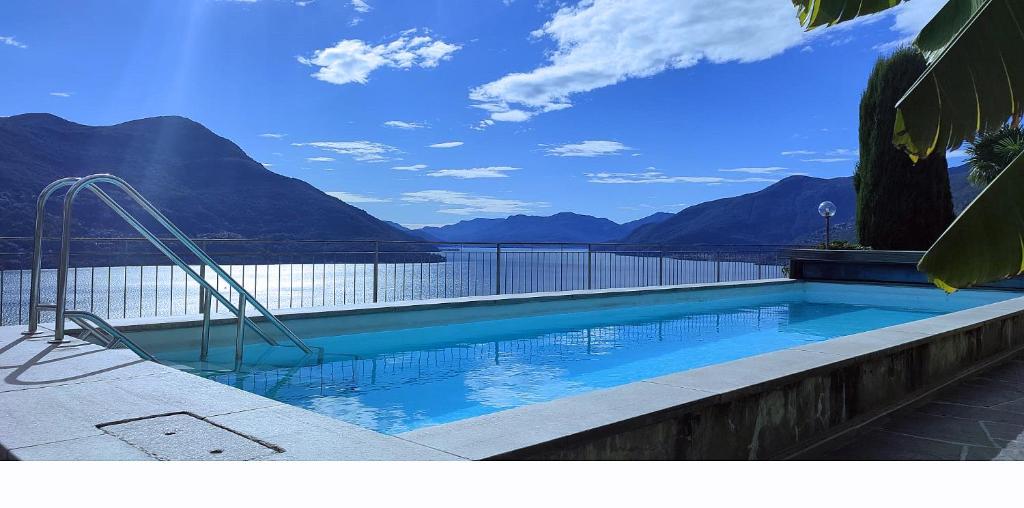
x: 95, y: 326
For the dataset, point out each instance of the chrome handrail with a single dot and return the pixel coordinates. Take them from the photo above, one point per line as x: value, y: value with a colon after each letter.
x: 95, y: 324
x: 91, y: 182
x: 37, y: 252
x: 34, y: 288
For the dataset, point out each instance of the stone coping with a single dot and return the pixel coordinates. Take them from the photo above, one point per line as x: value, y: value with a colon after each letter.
x: 55, y: 401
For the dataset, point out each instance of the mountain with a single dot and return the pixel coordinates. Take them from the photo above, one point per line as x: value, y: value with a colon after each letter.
x: 654, y: 218
x: 202, y: 182
x: 562, y: 227
x: 963, y: 191
x: 785, y: 213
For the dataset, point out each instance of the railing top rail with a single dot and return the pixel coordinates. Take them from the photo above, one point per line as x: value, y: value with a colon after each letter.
x: 412, y: 242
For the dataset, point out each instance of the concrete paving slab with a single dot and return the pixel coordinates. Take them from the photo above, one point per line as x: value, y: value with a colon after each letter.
x: 882, y: 445
x: 100, y: 447
x: 1016, y: 406
x: 306, y: 435
x: 981, y: 392
x: 1011, y: 452
x: 32, y: 362
x: 957, y: 431
x: 185, y: 437
x: 57, y: 413
x: 983, y: 414
x: 1011, y: 373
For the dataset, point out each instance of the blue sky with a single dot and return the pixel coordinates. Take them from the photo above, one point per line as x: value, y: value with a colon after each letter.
x: 487, y: 108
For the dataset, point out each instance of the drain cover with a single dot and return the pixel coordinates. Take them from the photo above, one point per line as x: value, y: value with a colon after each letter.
x: 185, y: 437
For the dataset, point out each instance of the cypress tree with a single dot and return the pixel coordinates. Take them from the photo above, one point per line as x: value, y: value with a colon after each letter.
x: 900, y: 205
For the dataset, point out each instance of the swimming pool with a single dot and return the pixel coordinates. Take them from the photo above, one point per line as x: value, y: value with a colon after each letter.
x: 397, y: 380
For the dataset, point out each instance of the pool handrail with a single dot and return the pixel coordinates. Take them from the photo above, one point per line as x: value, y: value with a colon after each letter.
x: 90, y: 182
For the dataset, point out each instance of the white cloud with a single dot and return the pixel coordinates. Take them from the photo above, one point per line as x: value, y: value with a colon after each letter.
x: 487, y: 172
x: 398, y: 124
x: 843, y: 152
x: 959, y: 153
x: 599, y: 43
x: 910, y: 18
x: 649, y: 177
x: 349, y: 197
x: 587, y: 149
x: 320, y: 159
x: 272, y: 135
x: 447, y: 144
x: 62, y: 94
x: 755, y: 171
x: 828, y: 160
x: 11, y: 41
x: 363, y: 151
x: 461, y: 203
x: 414, y: 167
x: 352, y: 60
x: 832, y: 156
x: 361, y: 6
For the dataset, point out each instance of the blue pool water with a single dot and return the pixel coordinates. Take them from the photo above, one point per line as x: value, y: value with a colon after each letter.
x: 398, y: 380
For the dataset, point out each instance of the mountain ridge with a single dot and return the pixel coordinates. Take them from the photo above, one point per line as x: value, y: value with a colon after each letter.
x: 784, y: 213
x: 568, y: 227
x: 201, y: 181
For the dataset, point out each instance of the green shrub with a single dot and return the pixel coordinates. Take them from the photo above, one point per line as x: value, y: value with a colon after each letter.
x: 900, y: 205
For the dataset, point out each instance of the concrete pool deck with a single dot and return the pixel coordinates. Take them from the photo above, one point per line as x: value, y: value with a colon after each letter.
x: 75, y: 401
x: 80, y: 401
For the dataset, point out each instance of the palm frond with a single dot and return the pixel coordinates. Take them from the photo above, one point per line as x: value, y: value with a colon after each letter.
x: 815, y: 13
x: 986, y: 242
x: 975, y: 81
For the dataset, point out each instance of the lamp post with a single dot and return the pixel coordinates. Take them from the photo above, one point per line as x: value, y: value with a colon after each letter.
x: 827, y: 209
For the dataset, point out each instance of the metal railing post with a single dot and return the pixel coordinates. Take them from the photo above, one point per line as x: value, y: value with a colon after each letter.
x: 590, y: 270
x: 376, y: 268
x: 240, y: 332
x: 497, y: 269
x: 661, y: 267
x: 718, y: 267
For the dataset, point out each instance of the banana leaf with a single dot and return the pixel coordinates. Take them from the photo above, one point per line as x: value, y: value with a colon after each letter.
x: 815, y: 13
x: 975, y: 81
x: 986, y: 242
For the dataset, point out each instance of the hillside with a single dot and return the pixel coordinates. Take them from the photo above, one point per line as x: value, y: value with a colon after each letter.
x: 204, y: 183
x: 560, y: 227
x: 785, y: 213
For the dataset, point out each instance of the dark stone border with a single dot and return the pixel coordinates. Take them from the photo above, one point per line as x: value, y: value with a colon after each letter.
x: 871, y: 266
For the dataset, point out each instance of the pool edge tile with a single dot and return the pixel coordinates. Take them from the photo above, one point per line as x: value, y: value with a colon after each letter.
x: 495, y: 434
